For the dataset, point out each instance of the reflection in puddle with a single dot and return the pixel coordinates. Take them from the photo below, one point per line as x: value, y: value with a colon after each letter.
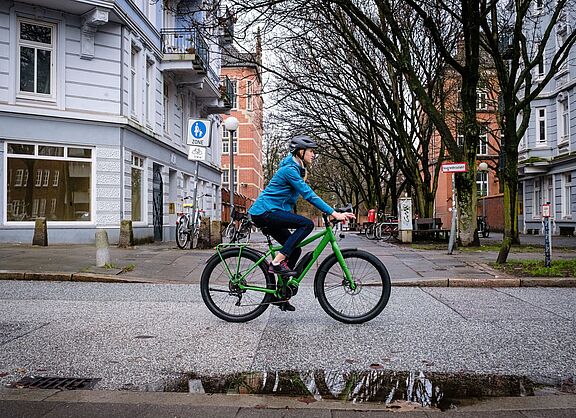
x: 433, y: 390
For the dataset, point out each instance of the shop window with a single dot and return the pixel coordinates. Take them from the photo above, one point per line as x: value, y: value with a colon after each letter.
x: 60, y: 181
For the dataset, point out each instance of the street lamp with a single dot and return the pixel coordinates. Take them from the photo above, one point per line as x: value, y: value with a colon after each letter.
x: 483, y: 167
x: 231, y: 125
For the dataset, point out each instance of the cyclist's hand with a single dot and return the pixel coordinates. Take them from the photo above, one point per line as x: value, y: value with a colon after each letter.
x: 343, y: 216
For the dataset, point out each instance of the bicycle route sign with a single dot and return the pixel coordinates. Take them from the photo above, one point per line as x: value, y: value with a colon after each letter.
x: 196, y: 153
x: 199, y: 132
x: 454, y: 167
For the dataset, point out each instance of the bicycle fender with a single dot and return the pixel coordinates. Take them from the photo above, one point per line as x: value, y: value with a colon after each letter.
x: 325, y: 263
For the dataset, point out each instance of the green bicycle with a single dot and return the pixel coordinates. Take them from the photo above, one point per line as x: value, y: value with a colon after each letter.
x: 352, y: 285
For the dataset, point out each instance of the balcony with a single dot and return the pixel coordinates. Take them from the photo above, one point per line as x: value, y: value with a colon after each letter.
x: 185, y: 51
x: 224, y: 103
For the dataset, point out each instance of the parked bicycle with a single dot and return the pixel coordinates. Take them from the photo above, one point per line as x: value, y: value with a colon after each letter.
x: 187, y: 231
x: 239, y: 228
x: 483, y: 227
x: 352, y: 286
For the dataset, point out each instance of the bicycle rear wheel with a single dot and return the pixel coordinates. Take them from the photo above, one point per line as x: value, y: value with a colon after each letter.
x: 371, y: 231
x: 195, y: 236
x: 226, y: 300
x: 361, y: 304
x: 182, y: 233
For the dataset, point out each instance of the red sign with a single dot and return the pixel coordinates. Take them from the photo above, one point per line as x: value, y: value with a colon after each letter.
x: 454, y: 167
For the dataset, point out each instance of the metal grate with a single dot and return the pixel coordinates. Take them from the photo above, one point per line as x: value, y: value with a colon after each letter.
x: 62, y: 383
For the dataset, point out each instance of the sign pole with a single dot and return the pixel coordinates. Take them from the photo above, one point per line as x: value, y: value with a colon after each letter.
x: 194, y: 208
x: 454, y: 168
x: 452, y: 241
x: 547, y: 235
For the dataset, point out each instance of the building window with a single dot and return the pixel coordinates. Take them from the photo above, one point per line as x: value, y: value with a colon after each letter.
x: 166, y: 118
x: 73, y: 195
x: 149, y: 96
x: 234, y: 84
x: 226, y: 141
x: 564, y: 121
x: 561, y: 38
x: 249, y: 96
x: 482, y: 103
x: 460, y: 135
x: 482, y: 183
x: 225, y: 176
x: 134, y: 80
x: 19, y: 177
x: 540, y: 125
x: 567, y: 195
x: 137, y: 187
x: 540, y: 67
x: 36, y: 49
x: 537, y: 198
x: 483, y: 141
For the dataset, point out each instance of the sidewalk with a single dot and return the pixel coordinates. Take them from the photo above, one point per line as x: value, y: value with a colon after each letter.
x: 165, y: 263
x: 110, y: 404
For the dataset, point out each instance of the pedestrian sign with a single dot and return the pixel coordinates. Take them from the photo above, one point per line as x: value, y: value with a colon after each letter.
x: 199, y: 132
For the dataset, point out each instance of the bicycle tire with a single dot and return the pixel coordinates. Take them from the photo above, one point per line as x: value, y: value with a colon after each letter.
x: 387, y: 233
x: 229, y: 233
x: 182, y: 235
x: 195, y: 236
x: 219, y: 295
x: 370, y: 232
x: 365, y: 302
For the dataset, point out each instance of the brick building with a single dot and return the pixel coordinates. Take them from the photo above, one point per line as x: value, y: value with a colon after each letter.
x: 243, y: 70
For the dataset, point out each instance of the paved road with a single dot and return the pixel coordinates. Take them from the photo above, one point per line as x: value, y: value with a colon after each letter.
x: 139, y: 336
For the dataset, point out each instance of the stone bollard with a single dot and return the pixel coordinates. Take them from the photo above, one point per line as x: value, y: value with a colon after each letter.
x: 40, y: 232
x: 102, y: 251
x: 126, y: 234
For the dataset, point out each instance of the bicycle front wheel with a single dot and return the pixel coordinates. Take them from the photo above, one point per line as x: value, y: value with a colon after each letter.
x: 225, y: 299
x: 228, y: 233
x: 353, y: 306
x: 182, y: 233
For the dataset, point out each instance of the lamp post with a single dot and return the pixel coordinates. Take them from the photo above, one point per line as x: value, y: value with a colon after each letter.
x: 483, y: 167
x: 231, y: 125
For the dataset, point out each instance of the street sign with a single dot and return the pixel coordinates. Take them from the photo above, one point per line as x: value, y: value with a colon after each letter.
x: 454, y: 167
x: 546, y: 210
x: 199, y: 132
x: 197, y: 153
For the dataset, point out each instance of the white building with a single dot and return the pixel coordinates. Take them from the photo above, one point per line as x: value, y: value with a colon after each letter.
x: 547, y: 153
x: 95, y: 98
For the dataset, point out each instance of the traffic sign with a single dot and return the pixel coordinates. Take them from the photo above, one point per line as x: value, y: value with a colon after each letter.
x: 454, y: 167
x: 199, y: 132
x: 197, y: 153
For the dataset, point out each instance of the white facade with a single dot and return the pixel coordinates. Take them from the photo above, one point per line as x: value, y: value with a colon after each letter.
x: 547, y: 153
x: 95, y: 98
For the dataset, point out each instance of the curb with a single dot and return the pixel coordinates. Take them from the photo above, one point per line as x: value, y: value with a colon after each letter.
x: 433, y: 282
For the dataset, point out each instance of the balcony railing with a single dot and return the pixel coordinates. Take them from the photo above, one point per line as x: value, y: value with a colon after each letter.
x: 227, y: 91
x: 185, y: 41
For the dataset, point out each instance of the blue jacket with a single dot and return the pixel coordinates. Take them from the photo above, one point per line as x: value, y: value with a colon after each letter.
x: 283, y: 190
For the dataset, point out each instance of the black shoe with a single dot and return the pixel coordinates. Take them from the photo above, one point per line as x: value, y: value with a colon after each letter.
x: 282, y: 269
x: 283, y: 305
x: 286, y: 306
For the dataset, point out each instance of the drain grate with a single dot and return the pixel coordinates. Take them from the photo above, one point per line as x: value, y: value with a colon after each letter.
x: 62, y: 383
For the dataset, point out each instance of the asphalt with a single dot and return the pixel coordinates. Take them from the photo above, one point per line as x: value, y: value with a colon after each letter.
x: 483, y: 329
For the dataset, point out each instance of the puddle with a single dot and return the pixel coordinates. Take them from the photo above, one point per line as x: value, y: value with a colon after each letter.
x: 428, y: 389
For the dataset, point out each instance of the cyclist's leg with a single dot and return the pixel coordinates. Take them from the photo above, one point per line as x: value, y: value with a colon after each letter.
x: 278, y: 223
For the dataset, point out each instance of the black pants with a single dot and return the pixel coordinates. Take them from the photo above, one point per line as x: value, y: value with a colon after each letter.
x: 278, y: 223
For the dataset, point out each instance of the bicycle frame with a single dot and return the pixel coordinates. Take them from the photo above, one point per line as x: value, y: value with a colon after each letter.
x: 326, y: 237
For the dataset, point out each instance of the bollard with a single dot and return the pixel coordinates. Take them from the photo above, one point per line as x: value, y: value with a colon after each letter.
x: 102, y: 251
x: 126, y: 234
x: 40, y: 232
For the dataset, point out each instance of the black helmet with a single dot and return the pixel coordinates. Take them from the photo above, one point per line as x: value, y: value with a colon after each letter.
x: 302, y: 142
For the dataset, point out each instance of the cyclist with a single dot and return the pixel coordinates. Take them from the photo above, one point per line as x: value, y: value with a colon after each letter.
x: 273, y: 209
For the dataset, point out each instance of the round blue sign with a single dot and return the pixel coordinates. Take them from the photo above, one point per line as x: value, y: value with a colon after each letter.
x: 198, y: 129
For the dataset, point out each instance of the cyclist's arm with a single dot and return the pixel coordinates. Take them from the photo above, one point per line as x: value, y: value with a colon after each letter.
x: 306, y: 191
